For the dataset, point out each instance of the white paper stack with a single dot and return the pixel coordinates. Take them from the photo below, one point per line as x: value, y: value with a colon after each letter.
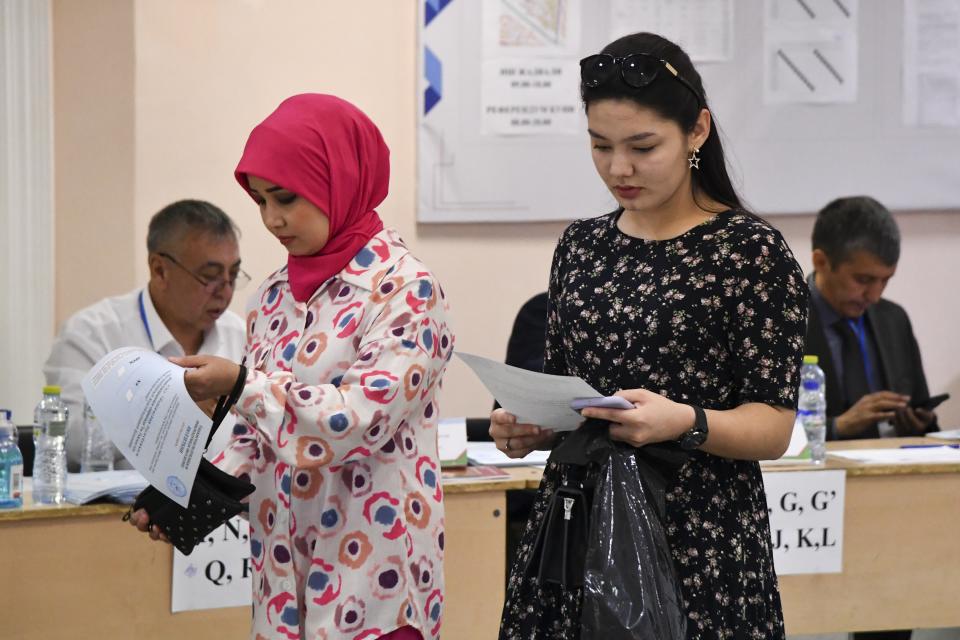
x: 952, y: 434
x: 487, y: 453
x: 905, y: 455
x: 120, y: 486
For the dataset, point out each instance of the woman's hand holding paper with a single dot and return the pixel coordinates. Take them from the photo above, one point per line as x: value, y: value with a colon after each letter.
x: 654, y: 418
x: 517, y: 439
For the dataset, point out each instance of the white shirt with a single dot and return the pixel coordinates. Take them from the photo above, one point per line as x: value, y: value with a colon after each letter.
x: 116, y: 322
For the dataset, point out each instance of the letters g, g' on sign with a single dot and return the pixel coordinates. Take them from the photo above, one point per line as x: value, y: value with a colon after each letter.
x: 806, y: 520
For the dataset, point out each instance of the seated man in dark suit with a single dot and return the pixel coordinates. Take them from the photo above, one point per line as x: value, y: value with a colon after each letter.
x: 865, y: 343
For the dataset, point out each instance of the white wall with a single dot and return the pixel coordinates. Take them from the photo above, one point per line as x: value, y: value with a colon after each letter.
x: 206, y: 71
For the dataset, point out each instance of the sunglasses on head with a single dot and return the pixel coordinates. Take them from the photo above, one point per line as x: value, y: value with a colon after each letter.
x: 637, y: 70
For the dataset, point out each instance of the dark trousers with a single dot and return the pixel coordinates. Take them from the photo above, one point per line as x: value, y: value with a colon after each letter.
x: 882, y: 635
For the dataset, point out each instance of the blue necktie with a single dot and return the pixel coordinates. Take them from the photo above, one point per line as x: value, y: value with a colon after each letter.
x: 855, y: 382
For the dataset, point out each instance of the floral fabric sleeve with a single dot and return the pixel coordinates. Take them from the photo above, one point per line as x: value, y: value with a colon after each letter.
x: 554, y: 361
x: 766, y: 305
x: 400, y: 356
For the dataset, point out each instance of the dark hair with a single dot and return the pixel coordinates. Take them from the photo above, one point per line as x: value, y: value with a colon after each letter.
x: 673, y: 101
x: 170, y: 223
x: 858, y: 223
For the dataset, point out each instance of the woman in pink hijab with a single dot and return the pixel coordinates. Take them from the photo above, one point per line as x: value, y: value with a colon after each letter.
x: 346, y: 346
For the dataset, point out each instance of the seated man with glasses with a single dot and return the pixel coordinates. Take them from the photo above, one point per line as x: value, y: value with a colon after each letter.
x: 194, y: 261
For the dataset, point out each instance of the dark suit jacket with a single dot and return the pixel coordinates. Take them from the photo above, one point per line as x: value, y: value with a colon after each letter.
x: 528, y: 340
x: 897, y: 350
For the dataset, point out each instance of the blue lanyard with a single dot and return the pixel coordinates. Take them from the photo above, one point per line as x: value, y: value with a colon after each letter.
x: 860, y: 330
x: 143, y: 317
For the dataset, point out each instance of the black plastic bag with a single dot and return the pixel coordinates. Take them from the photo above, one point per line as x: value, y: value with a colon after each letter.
x: 630, y: 588
x: 615, y: 560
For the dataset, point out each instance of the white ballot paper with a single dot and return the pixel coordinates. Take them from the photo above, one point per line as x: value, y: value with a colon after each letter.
x: 140, y: 399
x: 535, y: 398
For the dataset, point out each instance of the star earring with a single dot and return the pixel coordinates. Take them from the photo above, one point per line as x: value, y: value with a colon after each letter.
x: 694, y: 159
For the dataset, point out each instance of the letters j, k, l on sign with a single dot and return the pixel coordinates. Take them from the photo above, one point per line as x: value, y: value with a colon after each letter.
x: 806, y: 520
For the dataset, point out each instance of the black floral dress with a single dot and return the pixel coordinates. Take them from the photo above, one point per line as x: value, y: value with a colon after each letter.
x: 713, y: 317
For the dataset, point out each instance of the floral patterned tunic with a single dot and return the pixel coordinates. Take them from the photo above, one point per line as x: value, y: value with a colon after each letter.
x: 337, y: 430
x: 713, y: 317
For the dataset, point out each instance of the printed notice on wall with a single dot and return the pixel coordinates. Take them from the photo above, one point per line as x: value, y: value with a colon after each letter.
x: 931, y: 63
x: 704, y: 28
x: 217, y: 573
x: 523, y: 96
x: 142, y: 402
x: 806, y: 520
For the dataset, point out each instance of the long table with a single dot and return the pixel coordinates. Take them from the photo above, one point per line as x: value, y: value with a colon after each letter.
x: 79, y: 572
x: 901, y: 550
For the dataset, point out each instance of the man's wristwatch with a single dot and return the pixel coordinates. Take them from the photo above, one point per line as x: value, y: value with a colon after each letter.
x: 697, y: 434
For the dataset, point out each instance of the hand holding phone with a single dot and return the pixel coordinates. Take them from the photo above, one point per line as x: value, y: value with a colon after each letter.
x: 603, y: 402
x: 929, y: 403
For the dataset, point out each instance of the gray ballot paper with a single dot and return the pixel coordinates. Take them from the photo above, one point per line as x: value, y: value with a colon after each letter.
x: 536, y: 398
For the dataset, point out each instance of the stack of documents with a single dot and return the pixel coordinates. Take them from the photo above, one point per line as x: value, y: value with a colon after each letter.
x: 903, y: 455
x: 481, y: 453
x: 477, y: 473
x: 117, y: 486
x: 953, y: 434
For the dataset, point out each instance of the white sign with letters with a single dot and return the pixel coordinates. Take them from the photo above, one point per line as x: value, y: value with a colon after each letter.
x: 806, y: 520
x: 217, y: 573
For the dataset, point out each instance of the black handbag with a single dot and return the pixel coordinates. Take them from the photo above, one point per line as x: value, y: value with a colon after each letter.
x: 214, y: 498
x: 560, y: 549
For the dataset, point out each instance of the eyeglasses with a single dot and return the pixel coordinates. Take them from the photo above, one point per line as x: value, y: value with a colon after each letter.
x: 236, y: 281
x: 637, y: 70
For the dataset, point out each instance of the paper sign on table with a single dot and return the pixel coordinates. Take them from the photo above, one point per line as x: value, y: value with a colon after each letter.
x: 806, y: 520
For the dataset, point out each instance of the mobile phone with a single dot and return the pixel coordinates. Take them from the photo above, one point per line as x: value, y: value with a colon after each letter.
x: 603, y: 402
x: 930, y: 403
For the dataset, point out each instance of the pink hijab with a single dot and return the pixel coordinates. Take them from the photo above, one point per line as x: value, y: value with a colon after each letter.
x: 326, y: 150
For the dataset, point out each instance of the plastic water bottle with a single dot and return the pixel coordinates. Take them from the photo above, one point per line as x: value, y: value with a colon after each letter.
x: 11, y: 464
x: 97, y: 454
x: 50, y: 459
x: 812, y: 408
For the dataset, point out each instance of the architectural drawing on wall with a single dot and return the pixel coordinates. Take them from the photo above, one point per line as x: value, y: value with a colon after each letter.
x: 810, y: 51
x: 931, y: 63
x: 531, y: 27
